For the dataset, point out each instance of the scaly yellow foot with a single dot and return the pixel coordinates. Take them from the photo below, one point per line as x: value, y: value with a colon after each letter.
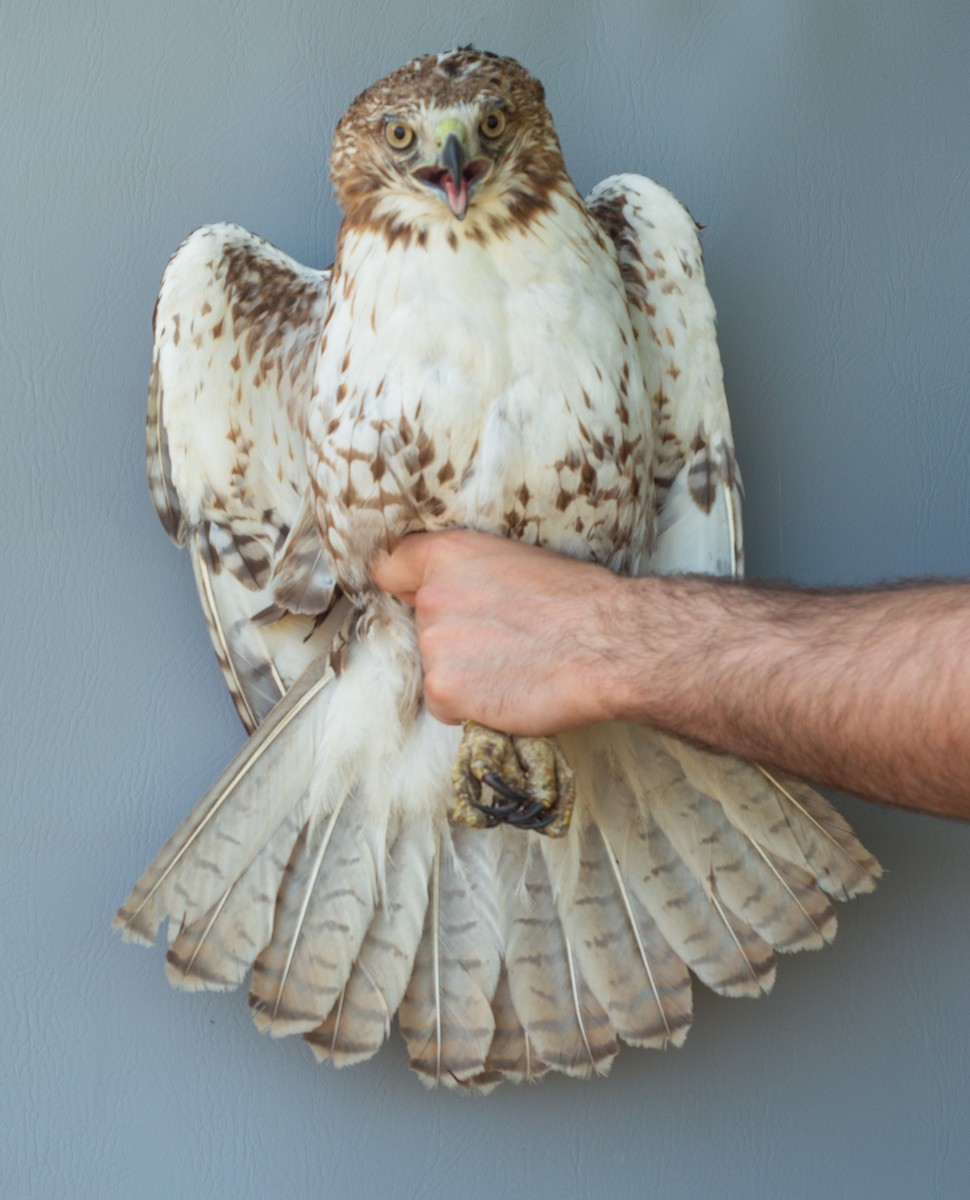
x: 522, y: 781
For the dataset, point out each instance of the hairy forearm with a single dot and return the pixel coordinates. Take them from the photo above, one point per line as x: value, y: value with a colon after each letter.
x: 866, y: 691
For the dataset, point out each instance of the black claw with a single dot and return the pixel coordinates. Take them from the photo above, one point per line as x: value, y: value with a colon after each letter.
x: 542, y: 820
x: 518, y: 810
x: 500, y: 811
x: 490, y: 821
x: 523, y: 816
x: 498, y: 784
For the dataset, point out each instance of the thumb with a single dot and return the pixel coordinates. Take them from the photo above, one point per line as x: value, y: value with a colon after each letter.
x: 401, y: 571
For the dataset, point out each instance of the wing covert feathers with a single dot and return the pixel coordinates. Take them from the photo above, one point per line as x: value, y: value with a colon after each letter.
x: 236, y: 328
x: 698, y: 486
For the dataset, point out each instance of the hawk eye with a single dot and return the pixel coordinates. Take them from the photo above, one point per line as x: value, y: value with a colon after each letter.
x: 493, y: 123
x: 399, y: 134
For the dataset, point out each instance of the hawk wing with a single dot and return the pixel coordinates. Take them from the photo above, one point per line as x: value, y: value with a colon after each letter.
x: 698, y: 487
x: 237, y: 326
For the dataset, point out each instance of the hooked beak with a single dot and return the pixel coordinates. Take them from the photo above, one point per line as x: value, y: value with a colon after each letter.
x: 454, y: 174
x: 452, y: 159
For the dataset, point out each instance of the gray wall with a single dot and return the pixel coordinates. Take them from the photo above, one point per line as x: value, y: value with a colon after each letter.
x: 826, y: 146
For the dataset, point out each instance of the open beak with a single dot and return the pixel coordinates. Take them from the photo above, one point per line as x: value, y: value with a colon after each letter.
x: 453, y: 173
x: 452, y: 159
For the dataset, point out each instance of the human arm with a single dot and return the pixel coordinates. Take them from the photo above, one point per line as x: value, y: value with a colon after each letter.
x: 868, y: 691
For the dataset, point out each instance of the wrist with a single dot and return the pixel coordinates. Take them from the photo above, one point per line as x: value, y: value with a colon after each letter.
x: 624, y: 670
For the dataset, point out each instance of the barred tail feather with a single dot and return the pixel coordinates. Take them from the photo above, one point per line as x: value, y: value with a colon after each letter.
x: 640, y: 982
x: 361, y: 1019
x: 216, y: 952
x: 560, y: 1015
x: 724, y: 952
x: 734, y: 872
x: 781, y: 901
x: 446, y: 1014
x: 323, y: 909
x: 845, y: 868
x: 513, y: 1054
x: 786, y: 817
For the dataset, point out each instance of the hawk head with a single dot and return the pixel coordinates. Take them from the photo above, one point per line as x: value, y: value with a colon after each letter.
x: 448, y: 136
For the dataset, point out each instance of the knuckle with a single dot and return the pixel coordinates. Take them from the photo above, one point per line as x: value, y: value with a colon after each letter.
x: 444, y: 547
x: 426, y: 643
x: 436, y: 695
x: 429, y: 601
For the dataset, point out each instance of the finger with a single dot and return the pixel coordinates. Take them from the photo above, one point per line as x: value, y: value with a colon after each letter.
x: 401, y: 572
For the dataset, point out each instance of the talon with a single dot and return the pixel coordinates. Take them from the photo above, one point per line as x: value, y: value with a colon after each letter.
x: 498, y: 784
x: 523, y: 816
x: 541, y: 821
x: 498, y: 811
x: 488, y: 822
x: 530, y: 780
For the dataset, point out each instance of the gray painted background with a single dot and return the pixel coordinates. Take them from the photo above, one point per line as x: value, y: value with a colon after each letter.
x: 826, y: 145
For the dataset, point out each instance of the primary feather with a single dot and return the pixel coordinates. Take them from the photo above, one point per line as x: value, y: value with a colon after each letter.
x: 488, y: 350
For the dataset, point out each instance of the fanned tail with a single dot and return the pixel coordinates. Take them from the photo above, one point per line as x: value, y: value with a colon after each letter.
x: 334, y: 874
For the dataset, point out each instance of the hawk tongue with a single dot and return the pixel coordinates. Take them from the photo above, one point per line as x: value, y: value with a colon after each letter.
x: 457, y: 196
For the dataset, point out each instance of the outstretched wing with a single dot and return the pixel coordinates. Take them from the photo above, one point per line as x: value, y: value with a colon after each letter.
x: 237, y: 327
x: 697, y: 480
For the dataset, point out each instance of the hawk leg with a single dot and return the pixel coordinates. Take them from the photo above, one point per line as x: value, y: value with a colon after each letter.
x: 520, y: 781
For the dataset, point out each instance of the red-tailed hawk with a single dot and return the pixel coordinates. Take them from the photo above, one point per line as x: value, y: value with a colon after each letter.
x: 488, y: 350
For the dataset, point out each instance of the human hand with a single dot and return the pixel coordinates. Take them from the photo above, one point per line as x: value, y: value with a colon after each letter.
x: 510, y: 635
